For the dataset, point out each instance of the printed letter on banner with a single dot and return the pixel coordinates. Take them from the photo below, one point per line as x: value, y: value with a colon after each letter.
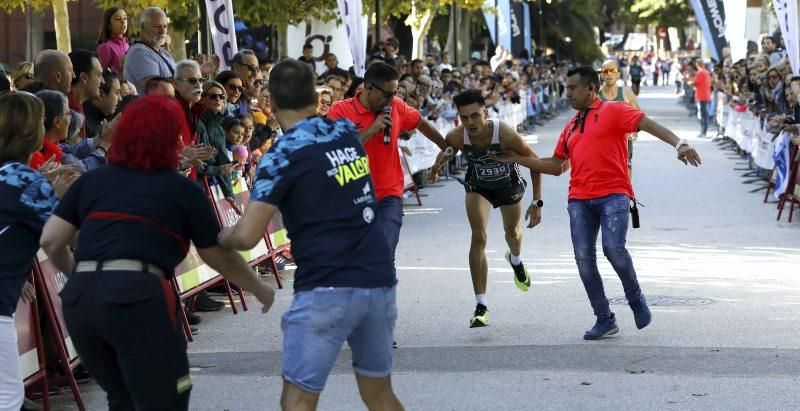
x: 223, y: 32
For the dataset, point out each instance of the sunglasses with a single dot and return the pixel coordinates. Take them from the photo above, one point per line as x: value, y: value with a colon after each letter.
x: 386, y: 94
x: 260, y: 82
x: 774, y: 77
x: 232, y: 87
x: 250, y: 67
x: 193, y: 80
x: 609, y: 71
x: 215, y: 96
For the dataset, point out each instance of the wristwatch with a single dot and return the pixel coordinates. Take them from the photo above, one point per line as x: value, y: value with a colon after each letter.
x: 537, y: 203
x: 682, y: 142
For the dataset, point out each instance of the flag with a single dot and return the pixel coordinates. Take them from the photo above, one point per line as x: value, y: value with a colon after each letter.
x: 786, y: 10
x: 356, y: 33
x: 223, y: 31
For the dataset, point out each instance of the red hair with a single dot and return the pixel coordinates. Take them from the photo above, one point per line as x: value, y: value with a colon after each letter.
x: 147, y: 136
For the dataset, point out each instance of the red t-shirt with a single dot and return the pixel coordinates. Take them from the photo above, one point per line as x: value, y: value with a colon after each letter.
x: 49, y: 149
x: 598, y: 150
x: 702, y: 86
x: 77, y: 107
x: 384, y: 161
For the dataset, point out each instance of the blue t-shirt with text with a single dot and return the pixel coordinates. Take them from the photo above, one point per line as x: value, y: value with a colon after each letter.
x: 317, y: 174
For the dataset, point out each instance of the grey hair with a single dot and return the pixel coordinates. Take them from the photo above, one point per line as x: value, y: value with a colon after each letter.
x: 146, y: 13
x: 183, y: 65
x: 55, y: 103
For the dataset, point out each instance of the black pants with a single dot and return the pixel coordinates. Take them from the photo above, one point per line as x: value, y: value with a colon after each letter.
x: 124, y: 326
x: 635, y: 84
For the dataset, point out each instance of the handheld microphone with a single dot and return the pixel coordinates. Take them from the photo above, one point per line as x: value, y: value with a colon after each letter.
x: 387, y: 132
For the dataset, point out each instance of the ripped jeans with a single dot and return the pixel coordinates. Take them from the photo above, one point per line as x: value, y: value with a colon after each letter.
x: 586, y: 218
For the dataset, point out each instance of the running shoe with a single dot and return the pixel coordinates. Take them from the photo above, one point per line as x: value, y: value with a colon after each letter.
x: 481, y: 317
x: 521, y: 277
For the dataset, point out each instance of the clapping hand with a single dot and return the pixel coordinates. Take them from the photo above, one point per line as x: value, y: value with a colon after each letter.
x: 197, y: 153
x: 208, y: 65
x: 28, y: 293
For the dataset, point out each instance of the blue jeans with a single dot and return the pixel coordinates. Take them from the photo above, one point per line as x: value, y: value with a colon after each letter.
x: 586, y: 218
x: 390, y: 212
x: 703, y: 117
x: 319, y: 322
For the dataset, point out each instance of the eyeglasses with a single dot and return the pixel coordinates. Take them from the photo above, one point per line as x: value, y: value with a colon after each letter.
x: 215, y: 96
x: 774, y: 77
x: 250, y: 67
x: 386, y: 94
x: 609, y: 71
x: 192, y: 80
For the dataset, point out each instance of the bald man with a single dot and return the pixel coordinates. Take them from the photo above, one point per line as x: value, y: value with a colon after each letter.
x: 612, y: 91
x: 149, y: 58
x: 53, y: 69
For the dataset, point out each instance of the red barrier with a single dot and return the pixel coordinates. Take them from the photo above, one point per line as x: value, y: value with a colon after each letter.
x: 31, y: 347
x: 50, y: 282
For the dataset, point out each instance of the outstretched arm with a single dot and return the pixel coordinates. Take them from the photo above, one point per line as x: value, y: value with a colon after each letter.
x: 511, y: 140
x: 430, y: 132
x: 551, y: 165
x: 686, y: 153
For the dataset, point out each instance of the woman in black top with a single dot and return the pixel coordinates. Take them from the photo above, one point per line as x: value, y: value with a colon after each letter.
x: 136, y: 218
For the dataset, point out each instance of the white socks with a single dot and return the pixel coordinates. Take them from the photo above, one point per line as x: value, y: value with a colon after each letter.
x: 515, y: 259
x: 481, y: 299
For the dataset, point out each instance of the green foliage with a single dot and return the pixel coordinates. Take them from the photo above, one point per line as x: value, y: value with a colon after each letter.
x: 667, y: 13
x: 283, y: 12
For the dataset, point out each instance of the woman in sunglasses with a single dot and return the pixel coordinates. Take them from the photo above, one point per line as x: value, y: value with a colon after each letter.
x: 22, y: 75
x: 233, y: 84
x: 217, y: 169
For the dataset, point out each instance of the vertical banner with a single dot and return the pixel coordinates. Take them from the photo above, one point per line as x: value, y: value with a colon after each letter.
x: 355, y: 27
x: 711, y: 18
x: 223, y: 32
x: 517, y: 36
x: 490, y: 15
x: 526, y: 27
x: 786, y: 11
x: 504, y: 23
x: 735, y: 20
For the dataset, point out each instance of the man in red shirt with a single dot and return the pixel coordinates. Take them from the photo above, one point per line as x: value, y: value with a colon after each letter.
x: 702, y: 94
x: 595, y: 144
x: 366, y: 111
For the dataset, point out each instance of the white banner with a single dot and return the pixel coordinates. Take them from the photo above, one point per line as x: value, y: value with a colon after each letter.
x: 786, y: 11
x: 735, y: 19
x: 355, y: 28
x: 223, y: 32
x: 326, y: 37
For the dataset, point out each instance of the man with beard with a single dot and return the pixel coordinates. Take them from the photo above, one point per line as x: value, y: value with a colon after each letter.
x: 148, y: 57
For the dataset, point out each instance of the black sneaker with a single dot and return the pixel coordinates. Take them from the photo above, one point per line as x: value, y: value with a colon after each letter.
x: 204, y: 303
x: 193, y: 318
x: 480, y: 318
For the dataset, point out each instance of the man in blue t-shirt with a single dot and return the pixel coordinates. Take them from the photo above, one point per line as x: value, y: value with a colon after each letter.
x: 318, y: 176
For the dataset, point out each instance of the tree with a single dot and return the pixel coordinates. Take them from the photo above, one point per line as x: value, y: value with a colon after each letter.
x: 285, y: 12
x: 60, y: 17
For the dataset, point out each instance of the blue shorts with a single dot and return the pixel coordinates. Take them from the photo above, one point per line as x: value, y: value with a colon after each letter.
x: 319, y: 321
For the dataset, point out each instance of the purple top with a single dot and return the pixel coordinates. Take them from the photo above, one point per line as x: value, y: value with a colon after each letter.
x: 111, y: 52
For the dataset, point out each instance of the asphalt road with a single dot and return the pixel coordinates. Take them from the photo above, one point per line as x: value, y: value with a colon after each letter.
x: 721, y: 274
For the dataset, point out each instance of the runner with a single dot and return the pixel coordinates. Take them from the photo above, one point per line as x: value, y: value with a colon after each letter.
x: 490, y: 183
x: 611, y: 91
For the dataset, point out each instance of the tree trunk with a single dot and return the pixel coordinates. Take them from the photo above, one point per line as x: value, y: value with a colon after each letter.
x: 34, y: 34
x: 420, y: 23
x: 178, y: 36
x: 61, y: 21
x: 464, y: 34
